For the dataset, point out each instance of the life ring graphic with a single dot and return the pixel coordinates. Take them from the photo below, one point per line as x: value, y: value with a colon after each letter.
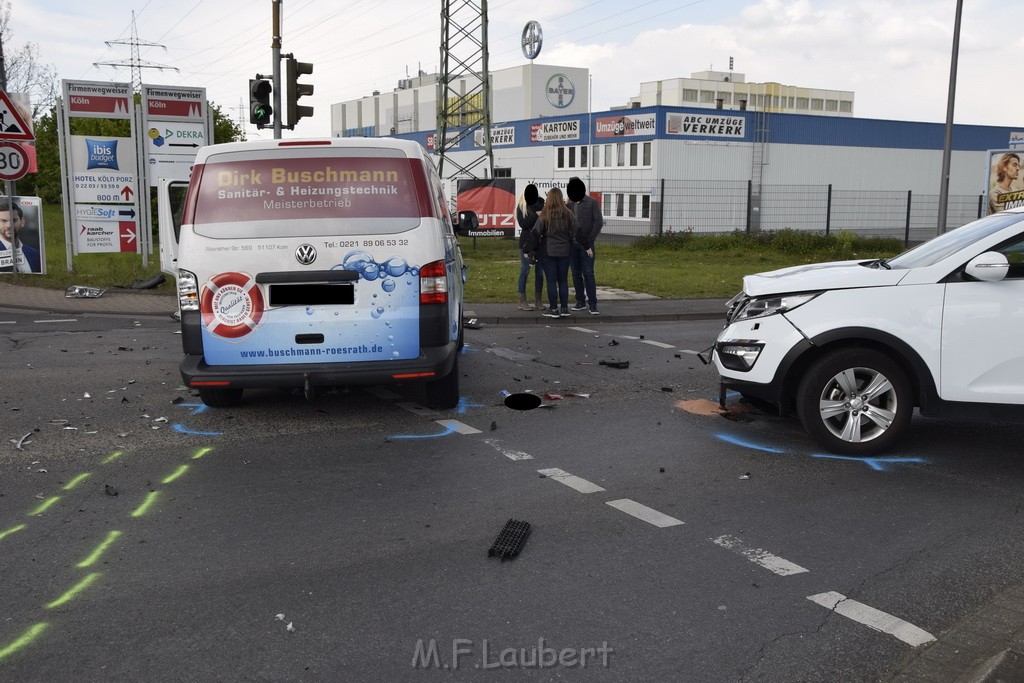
x: 231, y: 304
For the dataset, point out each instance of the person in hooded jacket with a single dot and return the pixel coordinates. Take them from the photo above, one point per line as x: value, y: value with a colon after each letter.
x: 590, y: 221
x: 529, y: 206
x: 552, y: 239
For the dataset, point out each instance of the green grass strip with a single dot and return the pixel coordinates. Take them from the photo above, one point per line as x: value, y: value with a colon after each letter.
x: 175, y: 474
x: 142, y: 509
x: 200, y: 452
x: 44, y: 506
x: 100, y: 549
x: 112, y: 457
x: 31, y: 634
x: 12, y: 530
x: 75, y: 590
x: 76, y: 481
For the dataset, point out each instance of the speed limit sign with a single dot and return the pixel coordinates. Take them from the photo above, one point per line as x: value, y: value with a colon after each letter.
x: 13, y: 160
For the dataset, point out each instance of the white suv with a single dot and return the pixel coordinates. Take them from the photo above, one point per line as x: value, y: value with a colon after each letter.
x: 852, y: 347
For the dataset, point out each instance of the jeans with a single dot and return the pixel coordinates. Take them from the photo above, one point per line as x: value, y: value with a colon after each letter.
x: 583, y: 275
x: 556, y: 268
x: 524, y: 272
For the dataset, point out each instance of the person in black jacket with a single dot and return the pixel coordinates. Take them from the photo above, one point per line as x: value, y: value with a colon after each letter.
x: 588, y: 216
x: 552, y: 238
x: 530, y: 204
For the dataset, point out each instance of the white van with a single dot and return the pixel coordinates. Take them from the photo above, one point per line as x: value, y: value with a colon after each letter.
x: 307, y: 263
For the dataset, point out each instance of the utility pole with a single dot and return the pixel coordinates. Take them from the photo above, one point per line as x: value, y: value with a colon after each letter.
x: 275, y: 56
x: 947, y: 148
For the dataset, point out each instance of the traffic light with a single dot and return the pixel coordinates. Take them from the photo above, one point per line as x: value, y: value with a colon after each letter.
x: 260, y: 110
x: 295, y: 90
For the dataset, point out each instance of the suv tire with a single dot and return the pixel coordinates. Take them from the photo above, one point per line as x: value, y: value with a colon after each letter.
x: 855, y: 401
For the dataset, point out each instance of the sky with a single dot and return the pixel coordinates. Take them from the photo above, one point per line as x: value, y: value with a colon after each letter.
x: 894, y: 56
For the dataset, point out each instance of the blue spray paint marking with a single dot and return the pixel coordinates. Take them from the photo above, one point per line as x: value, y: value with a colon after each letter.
x: 184, y: 430
x: 467, y: 348
x: 449, y: 429
x: 747, y: 444
x: 877, y: 464
x: 199, y: 407
x: 464, y: 404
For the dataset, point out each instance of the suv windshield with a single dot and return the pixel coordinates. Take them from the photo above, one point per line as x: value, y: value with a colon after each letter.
x: 938, y: 248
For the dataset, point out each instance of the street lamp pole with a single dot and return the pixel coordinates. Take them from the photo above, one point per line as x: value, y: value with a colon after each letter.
x: 947, y: 150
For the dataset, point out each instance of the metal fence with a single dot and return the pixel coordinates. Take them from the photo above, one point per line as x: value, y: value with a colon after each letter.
x: 635, y: 208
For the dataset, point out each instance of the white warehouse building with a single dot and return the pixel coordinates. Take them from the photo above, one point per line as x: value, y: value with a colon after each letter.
x: 666, y: 162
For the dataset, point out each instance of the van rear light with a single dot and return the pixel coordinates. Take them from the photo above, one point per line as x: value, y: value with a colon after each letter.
x: 433, y: 283
x: 198, y: 383
x: 188, y: 291
x: 303, y: 143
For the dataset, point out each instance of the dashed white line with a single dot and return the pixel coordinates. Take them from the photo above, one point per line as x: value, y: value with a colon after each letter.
x: 660, y: 345
x: 584, y: 329
x: 772, y: 563
x: 458, y: 427
x: 66, y: 320
x: 509, y: 453
x: 382, y: 393
x: 571, y: 480
x: 8, y: 322
x: 626, y: 336
x: 873, y: 618
x: 692, y: 353
x: 642, y: 512
x: 416, y: 409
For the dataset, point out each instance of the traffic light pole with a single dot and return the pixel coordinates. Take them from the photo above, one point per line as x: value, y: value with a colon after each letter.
x: 276, y: 58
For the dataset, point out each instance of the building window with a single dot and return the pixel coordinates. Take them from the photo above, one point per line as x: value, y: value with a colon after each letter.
x: 632, y: 206
x: 846, y: 106
x: 597, y: 156
x: 707, y: 97
x: 618, y: 204
x: 572, y: 157
x: 608, y: 156
x: 620, y: 154
x: 645, y: 206
x: 802, y: 103
x: 791, y: 99
x: 583, y: 156
x: 606, y: 204
x: 647, y: 154
x: 633, y: 153
x: 817, y: 104
x: 502, y: 172
x: 561, y: 157
x: 689, y: 95
x: 726, y: 97
x: 831, y: 105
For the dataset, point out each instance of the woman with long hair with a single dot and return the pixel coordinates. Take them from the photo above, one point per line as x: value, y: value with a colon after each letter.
x: 553, y: 234
x: 527, y: 210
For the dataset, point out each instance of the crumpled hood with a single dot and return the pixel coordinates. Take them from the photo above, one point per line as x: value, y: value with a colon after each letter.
x: 820, y: 276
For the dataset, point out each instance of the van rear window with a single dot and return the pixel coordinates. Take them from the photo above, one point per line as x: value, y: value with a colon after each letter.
x: 285, y: 190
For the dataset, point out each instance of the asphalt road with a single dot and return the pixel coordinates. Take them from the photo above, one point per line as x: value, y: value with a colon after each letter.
x: 144, y: 537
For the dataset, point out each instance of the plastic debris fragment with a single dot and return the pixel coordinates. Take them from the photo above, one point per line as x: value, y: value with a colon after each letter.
x: 83, y: 292
x: 510, y: 540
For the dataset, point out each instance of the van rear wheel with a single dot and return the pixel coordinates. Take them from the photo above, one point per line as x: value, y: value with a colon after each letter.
x: 443, y: 394
x: 221, y: 397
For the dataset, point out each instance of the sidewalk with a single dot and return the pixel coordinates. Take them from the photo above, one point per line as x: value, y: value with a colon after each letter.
x: 615, y: 305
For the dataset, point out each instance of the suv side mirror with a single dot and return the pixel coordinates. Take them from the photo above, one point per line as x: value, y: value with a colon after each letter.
x: 988, y: 267
x: 467, y: 221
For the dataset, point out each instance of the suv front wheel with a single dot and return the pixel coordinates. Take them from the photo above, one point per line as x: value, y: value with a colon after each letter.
x: 855, y: 401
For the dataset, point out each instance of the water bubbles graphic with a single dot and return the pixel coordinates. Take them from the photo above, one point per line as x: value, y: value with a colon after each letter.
x: 309, y: 310
x: 371, y: 271
x: 396, y: 266
x: 395, y: 354
x: 388, y: 285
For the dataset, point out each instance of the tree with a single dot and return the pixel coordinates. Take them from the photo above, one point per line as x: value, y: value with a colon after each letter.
x: 22, y: 70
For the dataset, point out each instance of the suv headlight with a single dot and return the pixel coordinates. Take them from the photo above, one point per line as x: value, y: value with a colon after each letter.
x: 763, y: 306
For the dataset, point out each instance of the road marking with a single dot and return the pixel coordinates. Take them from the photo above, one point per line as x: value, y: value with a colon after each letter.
x: 772, y: 563
x: 112, y: 457
x: 416, y: 409
x: 8, y: 322
x: 175, y: 474
x: 872, y: 618
x: 99, y: 550
x: 625, y: 336
x: 642, y: 512
x: 571, y: 480
x: 44, y: 506
x: 182, y: 429
x: 457, y: 426
x: 382, y: 393
x: 660, y: 345
x: 75, y: 481
x: 149, y: 500
x: 584, y: 329
x: 692, y: 353
x: 12, y: 530
x: 66, y: 320
x: 24, y: 640
x: 509, y: 453
x: 74, y: 590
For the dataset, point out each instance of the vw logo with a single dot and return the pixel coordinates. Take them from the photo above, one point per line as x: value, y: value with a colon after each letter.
x: 305, y: 254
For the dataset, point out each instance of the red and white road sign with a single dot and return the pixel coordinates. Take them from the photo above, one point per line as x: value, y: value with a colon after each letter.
x: 13, y: 160
x: 128, y: 234
x: 12, y: 122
